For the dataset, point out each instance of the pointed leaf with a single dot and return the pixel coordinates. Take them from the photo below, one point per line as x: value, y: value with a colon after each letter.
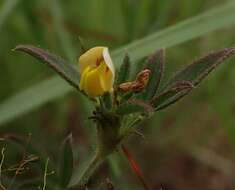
x: 173, y: 100
x: 194, y: 74
x: 200, y: 68
x: 107, y: 99
x: 126, y: 96
x: 155, y: 64
x: 65, y: 168
x: 128, y: 108
x: 171, y: 94
x: 135, y: 106
x: 64, y: 69
x: 124, y: 71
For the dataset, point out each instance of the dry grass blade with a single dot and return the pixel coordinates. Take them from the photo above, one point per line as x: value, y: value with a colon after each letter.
x: 1, y: 163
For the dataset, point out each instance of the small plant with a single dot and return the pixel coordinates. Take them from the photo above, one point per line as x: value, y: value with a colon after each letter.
x: 121, y: 103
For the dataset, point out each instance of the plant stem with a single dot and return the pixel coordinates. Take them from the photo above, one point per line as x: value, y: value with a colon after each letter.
x: 108, y: 138
x: 135, y: 167
x: 89, y: 170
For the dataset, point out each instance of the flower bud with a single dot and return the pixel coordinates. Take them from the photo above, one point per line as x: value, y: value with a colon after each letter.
x: 96, y: 71
x: 138, y: 84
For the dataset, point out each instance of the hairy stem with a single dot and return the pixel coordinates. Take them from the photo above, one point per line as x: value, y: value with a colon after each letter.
x: 108, y: 139
x: 89, y: 170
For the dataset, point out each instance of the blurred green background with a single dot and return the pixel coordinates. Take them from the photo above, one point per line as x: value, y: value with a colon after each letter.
x: 190, y: 145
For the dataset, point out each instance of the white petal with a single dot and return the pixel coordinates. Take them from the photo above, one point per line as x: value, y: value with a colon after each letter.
x: 109, y: 61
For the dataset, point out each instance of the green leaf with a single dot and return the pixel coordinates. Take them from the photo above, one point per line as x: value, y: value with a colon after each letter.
x: 171, y: 94
x: 173, y: 100
x: 200, y: 68
x: 114, y: 164
x: 107, y: 100
x: 189, y: 29
x: 128, y: 108
x: 135, y: 106
x: 65, y: 168
x: 64, y: 69
x: 126, y: 96
x: 192, y: 74
x: 155, y: 64
x: 124, y: 71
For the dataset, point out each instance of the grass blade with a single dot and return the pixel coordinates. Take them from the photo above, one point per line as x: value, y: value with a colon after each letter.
x: 19, y: 104
x: 189, y: 29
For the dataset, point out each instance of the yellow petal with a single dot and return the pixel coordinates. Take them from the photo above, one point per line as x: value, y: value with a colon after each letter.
x: 105, y: 76
x: 107, y: 80
x: 92, y: 84
x: 97, y: 71
x: 89, y: 58
x: 83, y: 78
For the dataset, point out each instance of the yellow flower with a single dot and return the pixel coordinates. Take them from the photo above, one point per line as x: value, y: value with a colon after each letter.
x: 96, y: 71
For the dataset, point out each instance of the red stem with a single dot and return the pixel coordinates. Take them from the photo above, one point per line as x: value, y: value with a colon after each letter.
x: 135, y: 167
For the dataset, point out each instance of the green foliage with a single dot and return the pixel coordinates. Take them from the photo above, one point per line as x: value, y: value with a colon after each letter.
x: 155, y: 64
x: 134, y: 106
x: 200, y: 68
x: 189, y: 29
x: 65, y: 167
x: 53, y: 88
x: 124, y: 71
x: 181, y: 32
x: 174, y: 138
x: 171, y: 94
x: 62, y: 34
x: 185, y: 80
x: 107, y: 100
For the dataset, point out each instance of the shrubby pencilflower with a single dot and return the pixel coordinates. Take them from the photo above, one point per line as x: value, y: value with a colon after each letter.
x: 132, y: 101
x: 96, y: 71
